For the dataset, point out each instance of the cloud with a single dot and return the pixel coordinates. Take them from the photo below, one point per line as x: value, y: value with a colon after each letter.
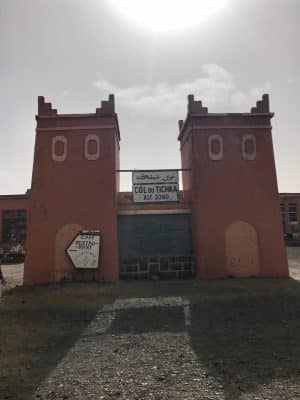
x: 216, y: 87
x: 257, y: 91
x: 65, y: 93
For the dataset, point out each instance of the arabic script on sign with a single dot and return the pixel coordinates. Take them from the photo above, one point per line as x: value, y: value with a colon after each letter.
x: 142, y: 177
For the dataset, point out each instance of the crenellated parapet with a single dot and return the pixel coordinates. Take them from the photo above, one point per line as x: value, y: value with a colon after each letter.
x: 107, y: 106
x: 262, y: 106
x: 195, y: 107
x: 45, y: 108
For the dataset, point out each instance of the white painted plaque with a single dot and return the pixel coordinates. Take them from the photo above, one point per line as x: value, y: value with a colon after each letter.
x: 155, y: 186
x: 85, y: 249
x: 154, y: 177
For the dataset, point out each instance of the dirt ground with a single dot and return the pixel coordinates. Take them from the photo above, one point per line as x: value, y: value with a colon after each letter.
x: 13, y: 275
x: 222, y: 339
x: 294, y: 262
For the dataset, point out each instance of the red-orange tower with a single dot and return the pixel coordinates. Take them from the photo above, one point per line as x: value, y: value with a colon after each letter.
x: 74, y: 186
x: 235, y: 204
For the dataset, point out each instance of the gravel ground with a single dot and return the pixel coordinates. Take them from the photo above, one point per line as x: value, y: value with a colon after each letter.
x: 175, y: 348
x: 150, y: 360
x: 225, y: 339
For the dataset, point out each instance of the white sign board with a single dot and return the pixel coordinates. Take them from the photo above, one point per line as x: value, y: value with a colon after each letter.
x: 155, y: 186
x: 85, y: 249
x: 145, y: 177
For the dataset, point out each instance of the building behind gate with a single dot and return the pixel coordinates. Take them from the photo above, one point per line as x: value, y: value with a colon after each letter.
x: 226, y: 221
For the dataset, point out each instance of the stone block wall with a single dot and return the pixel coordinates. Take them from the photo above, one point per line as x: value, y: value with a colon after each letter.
x: 157, y: 267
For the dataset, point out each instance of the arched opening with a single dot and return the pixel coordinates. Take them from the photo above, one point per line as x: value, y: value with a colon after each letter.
x: 63, y: 266
x: 249, y: 147
x: 242, y: 250
x: 92, y: 147
x: 215, y: 147
x: 59, y: 148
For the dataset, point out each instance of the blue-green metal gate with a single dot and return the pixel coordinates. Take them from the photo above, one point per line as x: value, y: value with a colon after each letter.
x: 155, y: 245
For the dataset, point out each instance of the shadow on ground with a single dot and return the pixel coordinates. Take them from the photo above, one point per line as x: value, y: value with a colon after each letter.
x: 152, y: 319
x: 38, y: 327
x: 252, y: 342
x: 244, y: 332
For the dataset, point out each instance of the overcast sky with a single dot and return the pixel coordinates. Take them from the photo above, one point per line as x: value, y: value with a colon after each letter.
x: 76, y: 52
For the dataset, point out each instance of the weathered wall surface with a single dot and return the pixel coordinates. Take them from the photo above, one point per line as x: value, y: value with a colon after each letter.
x: 73, y: 182
x: 233, y: 181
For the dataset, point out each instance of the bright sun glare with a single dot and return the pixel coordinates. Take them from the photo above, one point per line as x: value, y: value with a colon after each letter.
x: 168, y: 15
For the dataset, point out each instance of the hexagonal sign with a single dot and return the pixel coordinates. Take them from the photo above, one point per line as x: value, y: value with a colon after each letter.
x: 84, y: 250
